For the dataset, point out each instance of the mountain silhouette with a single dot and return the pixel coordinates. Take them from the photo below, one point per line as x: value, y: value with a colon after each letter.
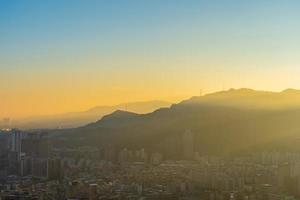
x: 76, y: 119
x: 226, y: 122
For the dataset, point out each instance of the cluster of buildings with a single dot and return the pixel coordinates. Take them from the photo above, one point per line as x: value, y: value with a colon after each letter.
x: 30, y: 168
x: 264, y: 176
x: 28, y: 154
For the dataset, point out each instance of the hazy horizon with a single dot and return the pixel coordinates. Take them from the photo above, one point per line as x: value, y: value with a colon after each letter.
x: 201, y: 93
x: 248, y: 98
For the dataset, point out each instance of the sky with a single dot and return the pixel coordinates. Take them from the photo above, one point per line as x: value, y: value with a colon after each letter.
x: 59, y: 55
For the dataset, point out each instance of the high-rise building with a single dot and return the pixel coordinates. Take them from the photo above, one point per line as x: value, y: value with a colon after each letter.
x: 36, y: 145
x: 4, y: 143
x: 123, y: 156
x: 188, y: 145
x: 25, y: 165
x: 15, y: 141
x: 39, y: 167
x: 15, y: 144
x: 54, y: 169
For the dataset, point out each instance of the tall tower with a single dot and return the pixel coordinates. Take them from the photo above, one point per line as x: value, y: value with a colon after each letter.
x: 188, y: 144
x: 15, y: 141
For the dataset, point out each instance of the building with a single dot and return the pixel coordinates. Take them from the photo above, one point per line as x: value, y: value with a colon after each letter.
x: 188, y: 145
x: 15, y: 140
x: 54, y: 169
x: 36, y: 145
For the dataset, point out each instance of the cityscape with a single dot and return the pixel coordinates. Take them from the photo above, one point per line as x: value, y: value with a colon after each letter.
x: 31, y: 168
x: 149, y: 100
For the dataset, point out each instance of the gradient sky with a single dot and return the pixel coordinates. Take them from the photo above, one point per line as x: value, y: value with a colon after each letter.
x: 61, y: 55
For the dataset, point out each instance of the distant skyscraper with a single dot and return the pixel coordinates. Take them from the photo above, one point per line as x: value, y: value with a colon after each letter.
x: 15, y: 141
x: 36, y: 145
x: 109, y: 153
x: 188, y: 144
x: 4, y: 143
x: 16, y: 138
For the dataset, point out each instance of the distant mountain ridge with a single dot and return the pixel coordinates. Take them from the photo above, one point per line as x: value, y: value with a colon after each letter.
x: 225, y: 122
x: 76, y: 119
x: 248, y: 98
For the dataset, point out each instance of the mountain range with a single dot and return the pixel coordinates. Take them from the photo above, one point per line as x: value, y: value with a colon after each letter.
x: 76, y: 119
x: 226, y: 122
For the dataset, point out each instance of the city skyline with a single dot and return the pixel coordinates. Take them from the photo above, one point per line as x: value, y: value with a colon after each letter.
x: 149, y: 100
x: 62, y: 56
